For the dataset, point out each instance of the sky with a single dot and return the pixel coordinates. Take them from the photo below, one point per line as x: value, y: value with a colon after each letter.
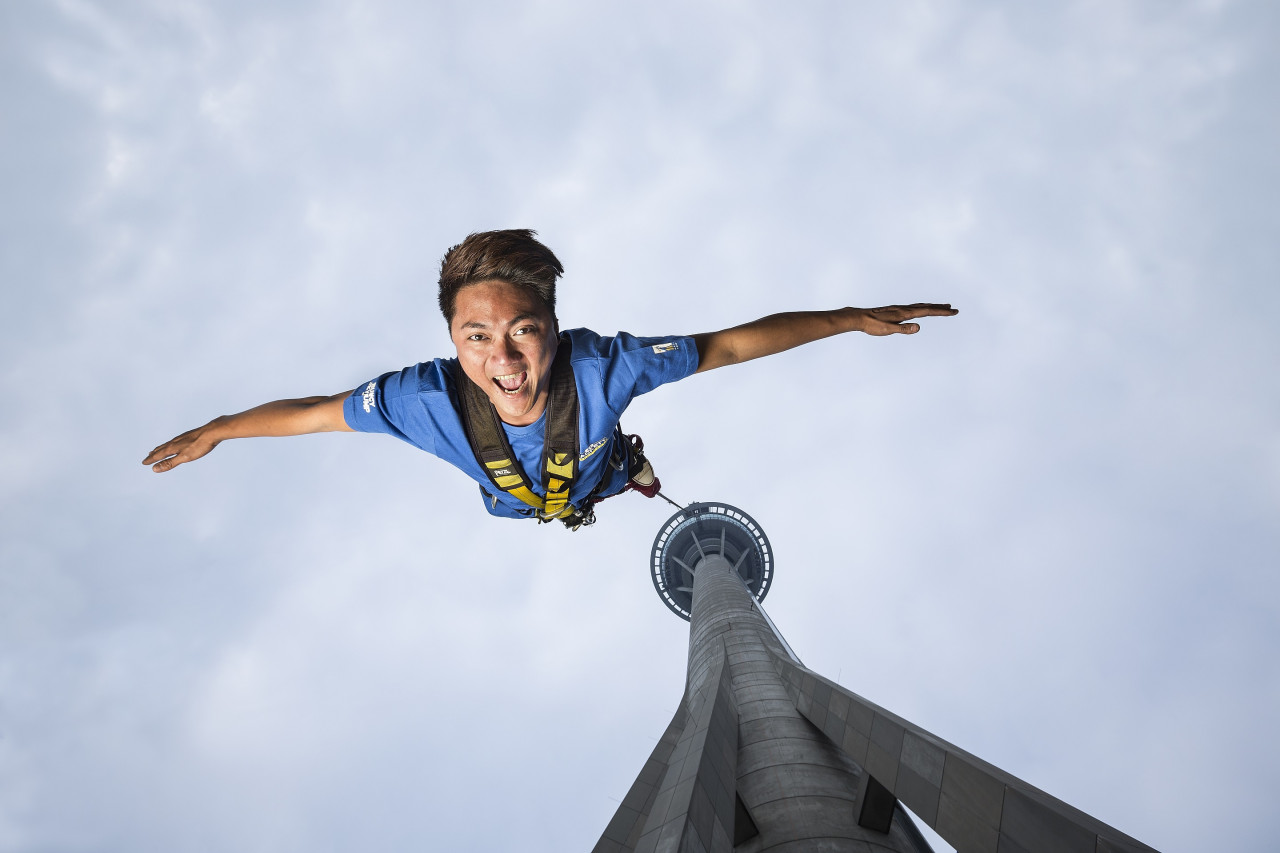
x: 1045, y: 530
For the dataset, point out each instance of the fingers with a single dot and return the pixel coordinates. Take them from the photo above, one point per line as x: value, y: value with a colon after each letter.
x: 166, y: 465
x: 892, y: 319
x: 169, y: 448
x: 164, y: 458
x: 898, y: 313
x: 167, y: 462
x: 175, y: 452
x: 923, y: 309
x: 880, y: 328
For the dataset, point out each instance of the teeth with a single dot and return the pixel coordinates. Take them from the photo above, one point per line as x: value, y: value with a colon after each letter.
x: 517, y: 377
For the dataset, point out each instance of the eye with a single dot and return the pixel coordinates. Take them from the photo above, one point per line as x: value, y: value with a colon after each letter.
x: 476, y: 337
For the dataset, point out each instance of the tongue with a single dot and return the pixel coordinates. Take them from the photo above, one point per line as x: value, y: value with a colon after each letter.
x: 511, y: 383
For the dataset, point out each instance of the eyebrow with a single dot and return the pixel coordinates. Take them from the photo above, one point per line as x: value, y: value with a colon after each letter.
x: 519, y: 318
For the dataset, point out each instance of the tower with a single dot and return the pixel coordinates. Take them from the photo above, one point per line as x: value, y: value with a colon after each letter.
x: 764, y: 754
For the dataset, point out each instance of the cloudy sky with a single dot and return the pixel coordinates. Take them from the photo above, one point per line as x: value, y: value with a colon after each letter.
x: 1046, y: 529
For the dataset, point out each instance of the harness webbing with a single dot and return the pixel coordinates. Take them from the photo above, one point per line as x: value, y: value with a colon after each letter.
x: 560, y: 451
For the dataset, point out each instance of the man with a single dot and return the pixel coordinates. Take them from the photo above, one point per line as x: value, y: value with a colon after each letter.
x: 529, y: 412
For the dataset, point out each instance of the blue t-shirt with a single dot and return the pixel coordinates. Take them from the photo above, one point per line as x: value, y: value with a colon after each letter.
x: 419, y: 405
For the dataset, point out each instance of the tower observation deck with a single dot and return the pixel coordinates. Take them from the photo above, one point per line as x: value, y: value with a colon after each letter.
x: 763, y: 754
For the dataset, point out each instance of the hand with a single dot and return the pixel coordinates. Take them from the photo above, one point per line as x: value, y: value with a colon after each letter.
x: 188, y: 447
x: 891, y: 319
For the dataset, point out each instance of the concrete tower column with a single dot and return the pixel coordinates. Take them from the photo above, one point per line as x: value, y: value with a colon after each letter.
x: 798, y: 789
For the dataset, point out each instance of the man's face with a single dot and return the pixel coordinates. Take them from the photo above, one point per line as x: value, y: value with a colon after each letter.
x: 506, y: 339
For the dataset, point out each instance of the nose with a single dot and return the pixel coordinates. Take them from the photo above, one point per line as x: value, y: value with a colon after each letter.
x: 505, y: 350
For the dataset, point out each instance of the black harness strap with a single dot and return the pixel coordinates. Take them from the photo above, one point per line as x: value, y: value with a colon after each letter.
x: 560, y: 448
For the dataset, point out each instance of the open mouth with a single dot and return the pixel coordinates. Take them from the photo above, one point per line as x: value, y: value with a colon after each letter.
x: 512, y: 382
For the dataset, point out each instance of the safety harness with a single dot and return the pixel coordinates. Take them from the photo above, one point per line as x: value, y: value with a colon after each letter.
x: 560, y: 450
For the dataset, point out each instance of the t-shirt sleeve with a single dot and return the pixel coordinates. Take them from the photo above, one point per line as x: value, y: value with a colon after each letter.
x: 634, y: 365
x: 390, y: 404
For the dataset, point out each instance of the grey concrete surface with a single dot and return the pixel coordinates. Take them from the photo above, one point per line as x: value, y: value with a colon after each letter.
x: 974, y: 806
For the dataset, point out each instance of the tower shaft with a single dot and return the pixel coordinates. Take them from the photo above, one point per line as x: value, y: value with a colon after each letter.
x: 798, y: 789
x: 739, y: 768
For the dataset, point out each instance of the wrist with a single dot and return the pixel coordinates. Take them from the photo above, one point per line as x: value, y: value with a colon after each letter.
x: 853, y: 319
x: 221, y: 427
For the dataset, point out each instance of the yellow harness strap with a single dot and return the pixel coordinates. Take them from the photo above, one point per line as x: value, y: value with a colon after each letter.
x: 493, y: 451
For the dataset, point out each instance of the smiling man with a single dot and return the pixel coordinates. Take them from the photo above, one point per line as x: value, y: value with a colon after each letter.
x: 529, y: 412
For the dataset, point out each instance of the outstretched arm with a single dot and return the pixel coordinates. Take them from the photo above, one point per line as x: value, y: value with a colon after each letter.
x: 282, y: 417
x: 779, y: 332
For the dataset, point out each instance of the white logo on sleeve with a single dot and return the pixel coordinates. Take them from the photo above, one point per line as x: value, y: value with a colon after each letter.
x: 370, y: 400
x: 667, y: 347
